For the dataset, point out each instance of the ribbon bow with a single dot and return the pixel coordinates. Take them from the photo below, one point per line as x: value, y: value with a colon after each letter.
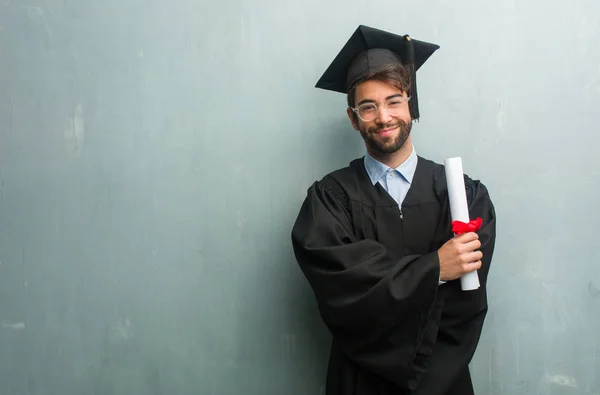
x: 459, y: 227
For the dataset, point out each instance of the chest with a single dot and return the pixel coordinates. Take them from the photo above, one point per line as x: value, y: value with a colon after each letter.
x: 413, y: 229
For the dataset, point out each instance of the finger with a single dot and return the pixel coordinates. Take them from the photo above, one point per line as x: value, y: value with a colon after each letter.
x: 471, y: 267
x: 471, y: 246
x: 467, y: 237
x: 470, y: 257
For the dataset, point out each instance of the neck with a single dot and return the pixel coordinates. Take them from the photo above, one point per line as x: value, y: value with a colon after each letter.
x: 393, y: 159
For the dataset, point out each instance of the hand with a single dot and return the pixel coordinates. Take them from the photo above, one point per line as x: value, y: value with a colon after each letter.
x: 458, y: 256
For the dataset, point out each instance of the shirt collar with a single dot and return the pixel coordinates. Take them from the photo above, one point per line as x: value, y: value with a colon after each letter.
x: 376, y: 170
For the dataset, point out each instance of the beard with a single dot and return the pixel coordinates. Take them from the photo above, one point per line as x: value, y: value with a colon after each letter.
x: 389, y: 144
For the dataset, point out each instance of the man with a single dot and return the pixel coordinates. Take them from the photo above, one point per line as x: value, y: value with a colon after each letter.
x: 375, y: 239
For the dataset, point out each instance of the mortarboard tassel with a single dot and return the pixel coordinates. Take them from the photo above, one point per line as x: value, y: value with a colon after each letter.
x: 413, y: 104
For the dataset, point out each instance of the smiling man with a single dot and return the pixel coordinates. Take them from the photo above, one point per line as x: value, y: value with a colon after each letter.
x: 375, y: 240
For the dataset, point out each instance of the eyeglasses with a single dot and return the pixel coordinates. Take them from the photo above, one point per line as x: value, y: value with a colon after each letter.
x: 369, y: 111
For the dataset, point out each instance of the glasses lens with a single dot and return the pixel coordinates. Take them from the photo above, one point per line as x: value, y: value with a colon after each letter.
x: 395, y: 106
x: 367, y: 112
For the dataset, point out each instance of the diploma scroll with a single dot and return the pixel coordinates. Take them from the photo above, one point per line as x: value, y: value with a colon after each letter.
x: 459, y: 209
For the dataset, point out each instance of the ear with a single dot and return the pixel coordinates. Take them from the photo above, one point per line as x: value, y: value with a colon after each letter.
x: 353, y: 118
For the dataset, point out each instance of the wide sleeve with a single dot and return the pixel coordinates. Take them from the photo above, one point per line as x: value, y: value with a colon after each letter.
x: 464, y: 312
x: 379, y: 309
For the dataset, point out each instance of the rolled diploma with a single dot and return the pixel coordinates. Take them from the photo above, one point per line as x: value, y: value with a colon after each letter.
x: 459, y: 210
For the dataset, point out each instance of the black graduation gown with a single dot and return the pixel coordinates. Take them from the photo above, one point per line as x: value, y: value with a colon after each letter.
x: 374, y: 270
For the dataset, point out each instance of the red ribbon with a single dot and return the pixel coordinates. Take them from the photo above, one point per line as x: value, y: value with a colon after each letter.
x: 458, y: 228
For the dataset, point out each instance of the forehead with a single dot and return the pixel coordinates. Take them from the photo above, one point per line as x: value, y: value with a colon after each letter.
x: 375, y: 90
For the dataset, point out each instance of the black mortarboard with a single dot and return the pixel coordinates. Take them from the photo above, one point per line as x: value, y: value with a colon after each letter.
x: 370, y: 50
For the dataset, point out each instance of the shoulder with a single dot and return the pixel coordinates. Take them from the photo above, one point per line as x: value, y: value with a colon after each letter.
x: 428, y: 169
x: 438, y: 173
x: 347, y: 174
x: 343, y: 177
x: 431, y: 167
x: 339, y: 185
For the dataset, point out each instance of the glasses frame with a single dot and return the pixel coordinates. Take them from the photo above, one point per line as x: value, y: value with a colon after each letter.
x: 357, y: 108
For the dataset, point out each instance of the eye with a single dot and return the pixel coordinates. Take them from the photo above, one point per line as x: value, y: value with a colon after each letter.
x: 367, y: 107
x: 394, y: 103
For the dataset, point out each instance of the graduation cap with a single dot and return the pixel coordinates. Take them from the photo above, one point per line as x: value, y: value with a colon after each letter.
x: 370, y: 50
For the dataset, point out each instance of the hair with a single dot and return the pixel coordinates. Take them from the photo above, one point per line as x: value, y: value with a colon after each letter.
x: 397, y: 75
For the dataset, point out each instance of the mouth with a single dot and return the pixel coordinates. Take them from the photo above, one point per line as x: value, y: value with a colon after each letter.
x: 386, y: 132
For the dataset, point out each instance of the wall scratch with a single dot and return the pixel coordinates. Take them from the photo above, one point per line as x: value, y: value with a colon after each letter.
x: 37, y: 12
x: 12, y: 113
x: 290, y: 342
x: 490, y: 366
x: 562, y: 380
x: 75, y: 133
x: 17, y: 326
x: 49, y: 7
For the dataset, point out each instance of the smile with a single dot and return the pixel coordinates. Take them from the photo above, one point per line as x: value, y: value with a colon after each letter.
x: 386, y: 132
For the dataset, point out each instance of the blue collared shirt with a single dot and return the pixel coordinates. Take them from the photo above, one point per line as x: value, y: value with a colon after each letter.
x: 395, y: 181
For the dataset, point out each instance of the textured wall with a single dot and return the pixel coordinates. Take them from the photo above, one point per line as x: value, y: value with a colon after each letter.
x: 154, y: 154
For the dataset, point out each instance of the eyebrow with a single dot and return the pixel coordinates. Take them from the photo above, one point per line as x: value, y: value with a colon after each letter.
x: 387, y: 98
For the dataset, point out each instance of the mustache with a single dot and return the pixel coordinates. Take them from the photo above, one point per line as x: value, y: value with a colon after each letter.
x: 399, y: 124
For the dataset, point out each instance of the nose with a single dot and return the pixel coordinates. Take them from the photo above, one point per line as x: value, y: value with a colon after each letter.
x: 383, y: 116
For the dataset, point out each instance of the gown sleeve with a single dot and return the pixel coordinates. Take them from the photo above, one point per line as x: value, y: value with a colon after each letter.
x: 464, y: 313
x: 380, y: 309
